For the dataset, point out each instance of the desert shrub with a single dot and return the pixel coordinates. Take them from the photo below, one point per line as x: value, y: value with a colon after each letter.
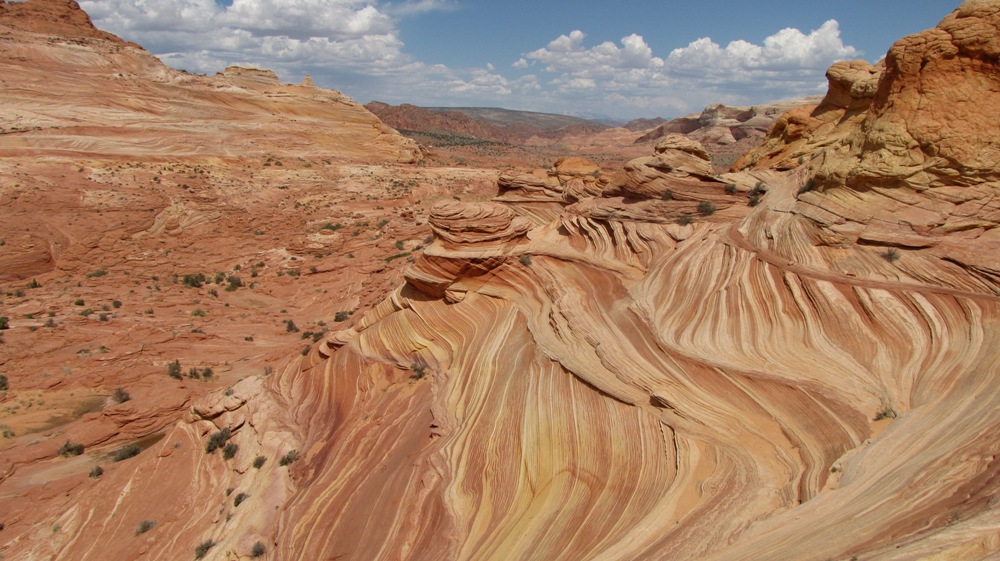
x: 341, y: 316
x: 144, y: 526
x: 891, y: 255
x: 753, y: 200
x: 96, y: 472
x: 70, y: 449
x: 885, y: 413
x: 305, y: 350
x: 87, y: 312
x: 120, y: 395
x: 239, y: 498
x: 525, y: 260
x: 116, y: 304
x: 332, y: 227
x: 126, y: 452
x: 706, y: 208
x: 809, y: 186
x: 4, y: 322
x: 78, y: 302
x: 50, y: 322
x: 97, y: 273
x: 288, y: 458
x: 202, y: 549
x: 684, y: 220
x: 419, y: 370
x: 217, y: 440
x: 229, y: 450
x: 194, y: 281
x: 290, y: 326
x: 258, y: 462
x: 3, y: 383
x: 174, y: 369
x: 258, y: 550
x: 198, y: 312
x: 234, y: 283
x: 34, y: 284
x: 667, y: 195
x: 730, y: 189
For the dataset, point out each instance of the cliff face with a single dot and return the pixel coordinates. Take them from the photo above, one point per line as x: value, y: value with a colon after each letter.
x: 640, y: 366
x: 72, y: 90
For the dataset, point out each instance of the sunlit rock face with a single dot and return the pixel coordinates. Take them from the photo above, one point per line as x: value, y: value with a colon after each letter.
x: 597, y: 377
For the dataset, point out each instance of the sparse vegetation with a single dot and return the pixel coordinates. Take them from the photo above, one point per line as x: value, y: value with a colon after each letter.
x: 4, y: 322
x: 730, y: 189
x: 258, y: 550
x: 525, y: 260
x: 239, y: 498
x: 229, y: 450
x: 258, y: 462
x: 70, y: 449
x: 34, y: 284
x: 288, y: 458
x: 202, y: 549
x: 126, y: 452
x: 120, y: 395
x: 194, y: 281
x: 341, y: 316
x: 809, y: 186
x: 290, y: 326
x: 144, y: 526
x: 97, y: 273
x: 419, y: 370
x: 174, y: 369
x: 3, y: 383
x: 96, y: 472
x: 684, y: 220
x: 78, y: 302
x: 217, y: 440
x: 331, y: 227
x: 667, y: 195
x: 234, y: 283
x: 198, y: 312
x: 706, y: 208
x: 886, y: 412
x: 891, y: 255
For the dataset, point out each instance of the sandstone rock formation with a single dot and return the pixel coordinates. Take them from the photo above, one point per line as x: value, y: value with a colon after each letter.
x: 591, y: 377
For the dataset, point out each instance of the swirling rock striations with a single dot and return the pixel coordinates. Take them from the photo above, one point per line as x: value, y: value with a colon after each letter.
x: 765, y: 383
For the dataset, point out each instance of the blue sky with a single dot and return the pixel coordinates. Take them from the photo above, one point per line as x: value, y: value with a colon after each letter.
x: 625, y: 59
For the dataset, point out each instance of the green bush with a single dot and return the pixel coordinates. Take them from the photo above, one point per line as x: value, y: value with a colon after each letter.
x: 706, y: 208
x: 217, y: 440
x: 684, y: 220
x: 4, y: 322
x: 229, y: 450
x: 341, y: 316
x: 288, y: 458
x: 258, y: 462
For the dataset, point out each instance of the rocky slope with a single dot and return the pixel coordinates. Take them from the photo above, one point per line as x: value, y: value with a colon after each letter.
x: 637, y: 366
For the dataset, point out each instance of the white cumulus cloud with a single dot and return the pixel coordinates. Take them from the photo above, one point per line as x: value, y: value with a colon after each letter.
x: 356, y: 46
